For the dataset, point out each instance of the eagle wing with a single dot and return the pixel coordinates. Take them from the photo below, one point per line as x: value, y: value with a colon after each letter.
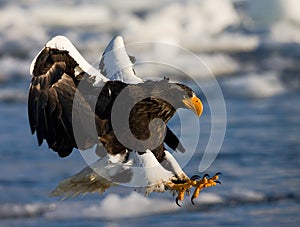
x: 116, y: 64
x: 56, y: 72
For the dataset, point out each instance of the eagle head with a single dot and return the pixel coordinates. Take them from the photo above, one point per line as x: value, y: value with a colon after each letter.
x: 189, y: 99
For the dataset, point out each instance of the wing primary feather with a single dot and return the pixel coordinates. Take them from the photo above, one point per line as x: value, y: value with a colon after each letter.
x: 30, y: 111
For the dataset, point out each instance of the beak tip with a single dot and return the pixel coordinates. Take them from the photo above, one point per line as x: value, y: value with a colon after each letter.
x: 195, y: 105
x: 199, y: 113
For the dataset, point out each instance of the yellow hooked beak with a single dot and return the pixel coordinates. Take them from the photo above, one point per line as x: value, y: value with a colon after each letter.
x: 195, y: 104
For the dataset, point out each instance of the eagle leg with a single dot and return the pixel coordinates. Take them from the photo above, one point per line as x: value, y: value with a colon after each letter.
x: 204, y: 182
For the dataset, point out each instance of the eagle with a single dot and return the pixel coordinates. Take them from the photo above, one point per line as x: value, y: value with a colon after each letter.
x: 113, y: 112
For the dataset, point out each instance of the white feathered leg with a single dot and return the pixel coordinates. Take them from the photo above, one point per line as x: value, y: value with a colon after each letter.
x: 172, y: 165
x: 155, y: 174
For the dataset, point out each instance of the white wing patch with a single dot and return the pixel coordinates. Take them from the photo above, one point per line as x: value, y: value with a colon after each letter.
x: 63, y: 43
x: 116, y: 64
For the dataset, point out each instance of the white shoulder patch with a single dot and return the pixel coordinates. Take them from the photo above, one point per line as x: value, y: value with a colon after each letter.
x: 63, y: 43
x: 116, y: 64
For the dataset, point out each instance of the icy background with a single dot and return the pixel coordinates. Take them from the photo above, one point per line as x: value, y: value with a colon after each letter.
x: 253, y: 49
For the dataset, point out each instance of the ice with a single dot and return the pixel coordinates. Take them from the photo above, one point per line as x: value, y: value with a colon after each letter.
x: 12, y: 67
x: 280, y: 17
x: 133, y: 205
x: 136, y: 205
x: 222, y: 43
x: 24, y: 26
x: 23, y: 210
x: 290, y: 10
x: 287, y: 29
x: 130, y: 206
x: 70, y: 15
x: 285, y: 32
x: 206, y: 198
x: 209, y: 30
x: 247, y: 195
x: 181, y: 22
x: 255, y: 85
x: 156, y: 59
x: 20, y: 31
x: 10, y: 95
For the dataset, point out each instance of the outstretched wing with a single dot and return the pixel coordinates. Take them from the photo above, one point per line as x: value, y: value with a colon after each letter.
x: 56, y: 72
x: 116, y: 64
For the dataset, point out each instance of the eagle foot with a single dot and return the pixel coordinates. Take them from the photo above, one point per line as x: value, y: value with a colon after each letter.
x: 195, y: 181
x: 204, y: 182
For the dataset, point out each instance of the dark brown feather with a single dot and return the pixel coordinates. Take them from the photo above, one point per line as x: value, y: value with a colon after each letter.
x: 50, y: 103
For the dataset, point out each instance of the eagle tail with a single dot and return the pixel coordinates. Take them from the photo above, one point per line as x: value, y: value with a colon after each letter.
x: 86, y: 181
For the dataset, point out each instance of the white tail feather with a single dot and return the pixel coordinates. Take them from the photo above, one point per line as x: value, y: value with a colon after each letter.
x: 86, y: 181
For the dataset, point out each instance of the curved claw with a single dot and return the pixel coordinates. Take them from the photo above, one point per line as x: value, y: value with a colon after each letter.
x: 218, y: 182
x: 187, y: 192
x: 206, y: 175
x: 218, y: 174
x: 192, y: 200
x: 195, y: 177
x: 176, y: 200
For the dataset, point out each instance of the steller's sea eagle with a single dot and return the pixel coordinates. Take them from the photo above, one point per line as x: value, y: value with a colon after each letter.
x: 68, y: 97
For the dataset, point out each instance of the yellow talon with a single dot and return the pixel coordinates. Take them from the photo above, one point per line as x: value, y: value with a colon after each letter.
x: 180, y: 197
x: 204, y: 183
x: 196, y: 182
x: 195, y: 195
x: 182, y: 188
